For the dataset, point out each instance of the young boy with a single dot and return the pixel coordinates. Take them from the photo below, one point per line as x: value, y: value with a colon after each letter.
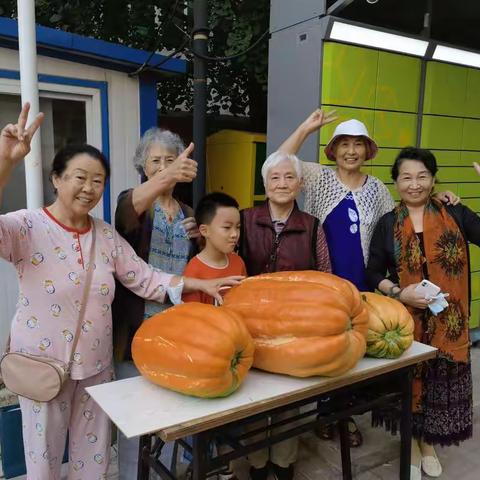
x: 218, y: 221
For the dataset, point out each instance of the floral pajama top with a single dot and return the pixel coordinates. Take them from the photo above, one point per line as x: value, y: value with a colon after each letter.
x: 50, y: 260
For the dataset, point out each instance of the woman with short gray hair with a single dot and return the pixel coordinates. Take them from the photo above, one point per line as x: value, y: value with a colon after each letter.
x: 171, y: 141
x: 156, y: 225
x: 277, y: 236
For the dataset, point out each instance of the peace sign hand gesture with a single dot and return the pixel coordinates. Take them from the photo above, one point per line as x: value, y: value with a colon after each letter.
x: 15, y: 139
x: 318, y: 119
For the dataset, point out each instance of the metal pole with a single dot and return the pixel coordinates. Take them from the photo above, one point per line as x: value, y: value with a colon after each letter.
x: 27, y: 49
x: 426, y: 32
x: 200, y: 39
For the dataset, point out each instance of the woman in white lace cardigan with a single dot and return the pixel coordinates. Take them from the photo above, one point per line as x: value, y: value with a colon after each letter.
x: 347, y: 201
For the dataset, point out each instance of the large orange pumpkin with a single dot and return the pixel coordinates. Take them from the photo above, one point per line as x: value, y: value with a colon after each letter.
x: 303, y: 323
x: 196, y: 349
x: 390, y: 326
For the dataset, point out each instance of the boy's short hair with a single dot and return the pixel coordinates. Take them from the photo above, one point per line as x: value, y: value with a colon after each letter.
x: 208, y: 205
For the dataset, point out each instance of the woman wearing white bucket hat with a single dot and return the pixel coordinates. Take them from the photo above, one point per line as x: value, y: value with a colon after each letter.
x: 347, y: 201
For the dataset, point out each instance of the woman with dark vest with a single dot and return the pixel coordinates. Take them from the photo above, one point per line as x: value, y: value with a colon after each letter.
x: 277, y: 236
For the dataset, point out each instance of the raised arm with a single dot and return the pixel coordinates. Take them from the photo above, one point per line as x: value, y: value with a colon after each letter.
x: 183, y: 169
x: 313, y: 122
x: 470, y: 220
x: 15, y: 142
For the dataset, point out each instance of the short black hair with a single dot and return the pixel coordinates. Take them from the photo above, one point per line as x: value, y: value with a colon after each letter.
x: 65, y: 154
x: 208, y: 205
x: 420, y: 155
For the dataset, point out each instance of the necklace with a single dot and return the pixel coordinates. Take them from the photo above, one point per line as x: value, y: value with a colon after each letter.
x: 169, y: 212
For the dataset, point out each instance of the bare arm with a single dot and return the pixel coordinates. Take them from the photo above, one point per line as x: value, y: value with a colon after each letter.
x: 210, y: 287
x: 15, y: 144
x: 183, y: 169
x: 314, y: 121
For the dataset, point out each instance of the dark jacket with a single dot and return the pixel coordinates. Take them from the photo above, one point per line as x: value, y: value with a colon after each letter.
x: 263, y: 251
x: 127, y: 308
x: 381, y: 262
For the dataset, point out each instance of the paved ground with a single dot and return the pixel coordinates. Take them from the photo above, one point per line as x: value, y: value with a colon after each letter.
x: 378, y: 458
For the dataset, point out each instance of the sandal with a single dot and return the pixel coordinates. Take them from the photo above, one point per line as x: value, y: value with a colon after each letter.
x: 355, y: 438
x: 325, y: 432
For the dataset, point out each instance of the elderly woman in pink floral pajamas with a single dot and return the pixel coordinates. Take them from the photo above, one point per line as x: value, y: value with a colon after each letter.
x: 50, y: 248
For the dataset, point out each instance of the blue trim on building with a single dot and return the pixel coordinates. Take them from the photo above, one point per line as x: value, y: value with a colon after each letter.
x: 73, y: 47
x: 148, y: 102
x: 78, y: 82
x: 10, y: 74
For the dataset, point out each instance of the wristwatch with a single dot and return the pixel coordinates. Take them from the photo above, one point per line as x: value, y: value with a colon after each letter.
x: 395, y: 294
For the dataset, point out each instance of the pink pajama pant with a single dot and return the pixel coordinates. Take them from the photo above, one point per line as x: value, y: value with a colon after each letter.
x: 45, y: 426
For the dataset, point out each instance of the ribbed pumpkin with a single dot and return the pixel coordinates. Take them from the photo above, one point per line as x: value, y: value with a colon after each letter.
x: 195, y: 349
x: 303, y: 323
x: 390, y: 326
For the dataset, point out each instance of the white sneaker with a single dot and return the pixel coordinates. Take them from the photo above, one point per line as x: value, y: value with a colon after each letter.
x: 432, y: 466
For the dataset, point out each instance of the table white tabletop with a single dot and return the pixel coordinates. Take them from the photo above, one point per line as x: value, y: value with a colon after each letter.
x: 139, y: 407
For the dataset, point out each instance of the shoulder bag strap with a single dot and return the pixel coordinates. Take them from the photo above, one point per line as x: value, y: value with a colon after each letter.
x: 88, y: 282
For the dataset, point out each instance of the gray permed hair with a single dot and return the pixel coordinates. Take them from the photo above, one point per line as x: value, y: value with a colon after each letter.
x: 171, y: 141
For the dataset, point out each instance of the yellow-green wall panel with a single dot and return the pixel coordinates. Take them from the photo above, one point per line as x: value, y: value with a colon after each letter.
x: 472, y: 203
x: 398, y: 82
x: 392, y: 129
x: 442, y: 132
x: 467, y: 159
x: 448, y: 158
x: 383, y: 173
x: 455, y: 174
x: 475, y: 314
x: 385, y: 157
x: 445, y: 89
x: 471, y: 134
x: 475, y: 285
x: 346, y: 113
x: 468, y: 190
x: 474, y: 257
x: 349, y: 75
x: 472, y: 104
x: 444, y: 186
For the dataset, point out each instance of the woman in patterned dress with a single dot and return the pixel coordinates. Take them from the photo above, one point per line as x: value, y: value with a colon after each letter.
x: 50, y: 249
x: 158, y: 227
x: 347, y: 201
x: 424, y: 239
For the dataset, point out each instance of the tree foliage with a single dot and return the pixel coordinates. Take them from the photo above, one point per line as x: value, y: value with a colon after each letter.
x: 237, y: 86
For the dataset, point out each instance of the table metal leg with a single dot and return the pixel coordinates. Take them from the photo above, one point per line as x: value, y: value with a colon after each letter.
x: 200, y: 452
x: 345, y: 449
x: 143, y: 454
x: 406, y: 426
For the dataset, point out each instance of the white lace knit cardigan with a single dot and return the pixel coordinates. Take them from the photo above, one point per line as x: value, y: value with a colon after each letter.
x: 324, y: 191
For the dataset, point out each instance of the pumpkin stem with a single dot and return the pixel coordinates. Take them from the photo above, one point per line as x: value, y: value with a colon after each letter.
x: 392, y: 336
x: 235, y: 360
